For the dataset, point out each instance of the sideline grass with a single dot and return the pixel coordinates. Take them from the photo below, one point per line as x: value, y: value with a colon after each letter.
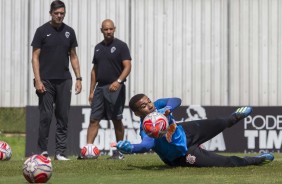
x: 12, y: 120
x: 138, y: 169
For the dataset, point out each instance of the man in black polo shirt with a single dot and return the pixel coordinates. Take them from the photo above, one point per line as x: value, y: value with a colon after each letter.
x: 54, y: 45
x: 112, y: 64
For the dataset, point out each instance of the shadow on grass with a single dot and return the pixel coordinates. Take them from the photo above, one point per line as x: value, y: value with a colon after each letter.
x: 151, y: 167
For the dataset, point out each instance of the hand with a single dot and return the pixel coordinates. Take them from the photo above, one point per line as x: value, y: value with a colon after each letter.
x: 124, y: 146
x: 114, y: 86
x: 90, y: 98
x: 78, y: 87
x: 39, y: 86
x: 165, y: 111
x: 170, y: 131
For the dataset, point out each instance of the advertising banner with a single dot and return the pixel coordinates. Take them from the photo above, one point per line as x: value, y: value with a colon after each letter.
x: 261, y: 131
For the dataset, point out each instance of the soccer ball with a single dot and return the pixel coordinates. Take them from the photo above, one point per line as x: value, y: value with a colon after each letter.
x: 37, y: 169
x: 5, y: 151
x: 155, y: 125
x: 90, y: 151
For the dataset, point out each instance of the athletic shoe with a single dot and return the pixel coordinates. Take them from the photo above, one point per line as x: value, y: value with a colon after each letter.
x: 242, y: 113
x: 116, y: 156
x: 61, y: 157
x: 268, y: 157
x: 45, y: 154
x: 80, y: 158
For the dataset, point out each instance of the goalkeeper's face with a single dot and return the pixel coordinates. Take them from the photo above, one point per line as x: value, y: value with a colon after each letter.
x: 145, y: 106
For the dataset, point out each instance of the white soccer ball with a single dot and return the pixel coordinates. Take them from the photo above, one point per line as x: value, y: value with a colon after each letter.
x: 90, y: 151
x: 5, y: 151
x: 155, y: 125
x: 37, y: 169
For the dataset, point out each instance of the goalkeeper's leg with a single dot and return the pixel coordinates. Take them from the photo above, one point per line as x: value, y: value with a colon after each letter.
x: 200, y: 131
x: 197, y: 157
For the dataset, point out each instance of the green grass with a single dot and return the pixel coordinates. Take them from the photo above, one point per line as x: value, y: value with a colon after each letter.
x: 136, y: 169
x: 17, y: 144
x: 12, y: 120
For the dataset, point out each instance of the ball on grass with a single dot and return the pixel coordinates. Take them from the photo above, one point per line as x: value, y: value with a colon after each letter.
x: 37, y: 169
x: 5, y: 151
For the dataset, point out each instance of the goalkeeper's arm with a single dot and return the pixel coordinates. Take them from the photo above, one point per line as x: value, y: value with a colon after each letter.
x: 146, y: 145
x: 126, y: 147
x: 168, y: 103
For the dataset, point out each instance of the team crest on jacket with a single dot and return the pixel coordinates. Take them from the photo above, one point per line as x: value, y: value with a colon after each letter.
x: 113, y: 49
x: 67, y: 34
x: 190, y: 159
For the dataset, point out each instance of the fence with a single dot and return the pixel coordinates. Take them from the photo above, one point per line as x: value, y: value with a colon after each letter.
x: 208, y: 52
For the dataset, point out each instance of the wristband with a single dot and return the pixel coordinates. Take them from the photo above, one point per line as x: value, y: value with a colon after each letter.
x: 79, y: 78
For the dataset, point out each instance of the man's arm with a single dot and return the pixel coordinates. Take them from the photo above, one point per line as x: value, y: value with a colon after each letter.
x: 126, y: 69
x: 146, y: 145
x: 92, y: 83
x: 76, y: 68
x: 125, y: 72
x: 168, y: 103
x: 35, y: 66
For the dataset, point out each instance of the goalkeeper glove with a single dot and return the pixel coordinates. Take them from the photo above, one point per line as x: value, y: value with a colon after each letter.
x: 124, y: 146
x: 165, y: 111
x: 170, y: 132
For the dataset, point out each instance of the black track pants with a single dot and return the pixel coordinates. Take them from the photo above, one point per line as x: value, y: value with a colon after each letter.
x: 58, y: 96
x: 198, y: 132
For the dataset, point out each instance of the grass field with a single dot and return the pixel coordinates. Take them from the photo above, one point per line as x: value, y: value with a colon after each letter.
x: 12, y: 120
x: 135, y: 169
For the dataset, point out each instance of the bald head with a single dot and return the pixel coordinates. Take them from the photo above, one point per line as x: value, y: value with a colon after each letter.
x: 108, y: 29
x: 107, y: 22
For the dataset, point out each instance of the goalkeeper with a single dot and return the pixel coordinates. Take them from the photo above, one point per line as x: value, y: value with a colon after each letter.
x: 181, y: 144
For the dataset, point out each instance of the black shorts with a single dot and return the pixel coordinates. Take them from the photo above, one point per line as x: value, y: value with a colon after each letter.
x: 107, y: 105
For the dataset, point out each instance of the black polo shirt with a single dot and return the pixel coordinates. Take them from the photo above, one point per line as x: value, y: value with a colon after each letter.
x: 55, y: 45
x: 108, y: 60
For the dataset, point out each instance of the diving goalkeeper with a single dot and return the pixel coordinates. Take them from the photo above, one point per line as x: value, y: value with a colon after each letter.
x: 181, y: 144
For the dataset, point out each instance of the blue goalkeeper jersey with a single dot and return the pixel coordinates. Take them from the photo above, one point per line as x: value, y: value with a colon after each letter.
x: 167, y: 151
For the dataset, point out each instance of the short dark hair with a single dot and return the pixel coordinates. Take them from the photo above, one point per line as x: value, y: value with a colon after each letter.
x: 133, y: 100
x: 57, y: 4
